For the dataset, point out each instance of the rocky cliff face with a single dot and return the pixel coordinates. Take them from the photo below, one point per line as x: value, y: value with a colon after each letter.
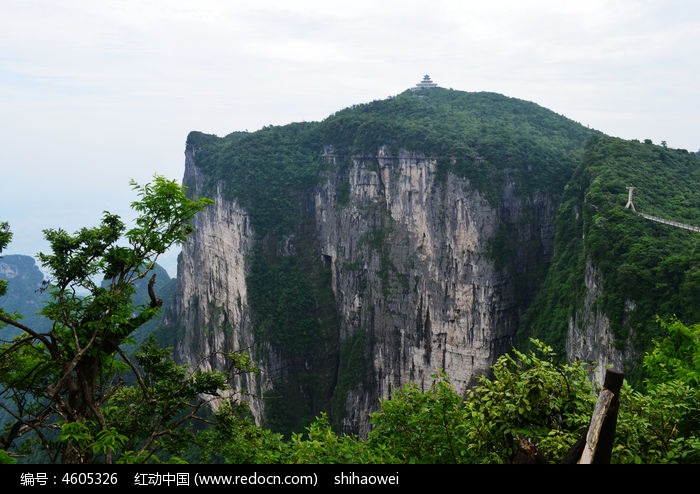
x: 426, y: 294
x: 589, y: 337
x: 416, y: 285
x: 211, y: 305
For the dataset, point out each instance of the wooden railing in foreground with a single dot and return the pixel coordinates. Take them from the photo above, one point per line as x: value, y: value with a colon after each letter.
x: 601, y: 430
x: 596, y: 443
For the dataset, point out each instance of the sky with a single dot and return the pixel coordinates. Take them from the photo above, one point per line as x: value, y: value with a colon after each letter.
x: 94, y: 94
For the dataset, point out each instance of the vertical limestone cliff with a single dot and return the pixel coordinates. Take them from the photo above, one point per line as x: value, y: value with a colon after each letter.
x: 589, y: 337
x: 417, y: 287
x: 211, y: 310
x: 412, y: 276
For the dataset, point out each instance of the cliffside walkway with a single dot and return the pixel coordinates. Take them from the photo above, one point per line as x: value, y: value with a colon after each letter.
x: 630, y: 205
x: 692, y: 228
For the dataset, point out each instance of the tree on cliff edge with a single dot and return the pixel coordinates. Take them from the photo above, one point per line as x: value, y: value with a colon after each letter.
x: 56, y: 385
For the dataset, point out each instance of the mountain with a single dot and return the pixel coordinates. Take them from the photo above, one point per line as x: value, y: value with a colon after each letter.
x: 392, y: 241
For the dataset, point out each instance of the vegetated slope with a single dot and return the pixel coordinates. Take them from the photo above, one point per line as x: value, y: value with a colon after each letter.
x: 269, y: 170
x: 647, y: 268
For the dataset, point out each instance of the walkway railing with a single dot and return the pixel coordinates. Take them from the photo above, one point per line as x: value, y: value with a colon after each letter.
x: 672, y: 223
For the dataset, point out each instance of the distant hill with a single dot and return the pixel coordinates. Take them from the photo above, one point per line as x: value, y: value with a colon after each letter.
x: 25, y: 295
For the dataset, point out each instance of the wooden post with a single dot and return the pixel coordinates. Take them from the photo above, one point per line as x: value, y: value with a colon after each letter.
x: 601, y: 431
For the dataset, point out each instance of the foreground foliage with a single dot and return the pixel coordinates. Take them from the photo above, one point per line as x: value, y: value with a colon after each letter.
x: 58, y: 386
x: 533, y: 410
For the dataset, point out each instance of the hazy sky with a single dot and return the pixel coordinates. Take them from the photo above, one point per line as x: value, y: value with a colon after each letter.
x: 96, y: 93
